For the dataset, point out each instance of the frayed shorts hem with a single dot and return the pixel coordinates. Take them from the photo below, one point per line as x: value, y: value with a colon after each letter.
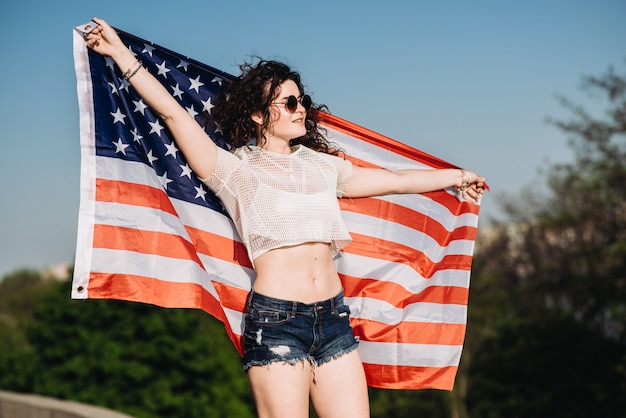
x: 296, y: 360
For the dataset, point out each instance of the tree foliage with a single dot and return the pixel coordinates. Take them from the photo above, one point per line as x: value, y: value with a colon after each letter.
x: 554, y: 343
x: 137, y: 358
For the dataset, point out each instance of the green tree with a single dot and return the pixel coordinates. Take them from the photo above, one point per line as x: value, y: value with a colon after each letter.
x: 385, y: 403
x: 137, y: 358
x: 553, y: 341
x: 19, y: 295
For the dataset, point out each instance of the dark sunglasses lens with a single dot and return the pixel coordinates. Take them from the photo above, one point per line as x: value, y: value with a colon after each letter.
x: 306, y: 102
x: 292, y: 103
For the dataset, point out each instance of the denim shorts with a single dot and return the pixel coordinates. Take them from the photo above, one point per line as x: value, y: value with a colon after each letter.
x: 278, y: 330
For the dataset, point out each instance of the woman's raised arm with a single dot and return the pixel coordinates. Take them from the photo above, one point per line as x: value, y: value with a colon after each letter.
x: 376, y: 182
x: 199, y: 150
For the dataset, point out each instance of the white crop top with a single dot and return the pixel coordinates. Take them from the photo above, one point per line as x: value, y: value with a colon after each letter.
x: 277, y: 200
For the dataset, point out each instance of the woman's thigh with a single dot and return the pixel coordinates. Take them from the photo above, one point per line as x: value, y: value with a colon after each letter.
x: 341, y: 388
x: 281, y: 389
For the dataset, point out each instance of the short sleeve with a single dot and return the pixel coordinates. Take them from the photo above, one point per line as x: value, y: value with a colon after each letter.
x: 225, y: 165
x: 343, y: 168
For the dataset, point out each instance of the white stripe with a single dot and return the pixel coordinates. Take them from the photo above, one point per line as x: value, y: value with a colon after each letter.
x: 200, y: 217
x: 174, y: 270
x: 130, y: 171
x: 416, y: 355
x: 373, y: 154
x: 235, y: 320
x: 140, y: 218
x: 412, y: 238
x: 434, y: 210
x: 386, y: 313
x: 84, y: 255
x: 228, y: 273
x: 365, y: 267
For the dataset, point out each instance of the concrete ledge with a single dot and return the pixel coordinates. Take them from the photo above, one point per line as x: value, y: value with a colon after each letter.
x: 18, y: 405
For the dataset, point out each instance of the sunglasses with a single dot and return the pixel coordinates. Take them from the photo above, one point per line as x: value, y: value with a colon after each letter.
x: 291, y: 104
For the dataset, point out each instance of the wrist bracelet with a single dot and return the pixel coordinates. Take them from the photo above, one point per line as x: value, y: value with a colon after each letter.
x: 130, y: 72
x: 125, y: 75
x: 464, y: 182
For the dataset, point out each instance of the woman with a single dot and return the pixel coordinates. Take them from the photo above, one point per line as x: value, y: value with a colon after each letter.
x: 281, y: 194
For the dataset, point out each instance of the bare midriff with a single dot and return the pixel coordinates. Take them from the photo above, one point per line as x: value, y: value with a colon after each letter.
x: 304, y: 273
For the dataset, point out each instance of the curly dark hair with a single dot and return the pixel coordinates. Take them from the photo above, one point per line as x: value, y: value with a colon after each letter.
x: 254, y: 91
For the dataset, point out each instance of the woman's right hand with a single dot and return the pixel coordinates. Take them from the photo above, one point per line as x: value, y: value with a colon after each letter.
x: 104, y: 40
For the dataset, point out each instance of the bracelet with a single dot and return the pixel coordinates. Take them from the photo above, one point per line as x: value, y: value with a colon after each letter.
x: 130, y: 72
x: 464, y: 182
x: 125, y: 75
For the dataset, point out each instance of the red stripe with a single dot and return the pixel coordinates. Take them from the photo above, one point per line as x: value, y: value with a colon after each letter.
x: 232, y: 297
x: 145, y: 242
x: 398, y: 296
x: 117, y: 191
x: 409, y: 377
x: 454, y: 206
x: 402, y: 215
x: 152, y: 290
x: 392, y: 251
x: 218, y: 246
x: 409, y: 332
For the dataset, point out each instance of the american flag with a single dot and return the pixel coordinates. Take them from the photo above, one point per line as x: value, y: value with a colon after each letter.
x: 149, y: 231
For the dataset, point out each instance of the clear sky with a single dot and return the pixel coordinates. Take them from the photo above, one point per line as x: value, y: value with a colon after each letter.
x: 471, y: 82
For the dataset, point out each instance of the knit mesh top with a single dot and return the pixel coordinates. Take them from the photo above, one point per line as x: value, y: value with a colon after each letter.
x: 278, y: 200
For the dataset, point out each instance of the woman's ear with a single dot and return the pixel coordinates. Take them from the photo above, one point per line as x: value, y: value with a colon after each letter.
x: 257, y: 118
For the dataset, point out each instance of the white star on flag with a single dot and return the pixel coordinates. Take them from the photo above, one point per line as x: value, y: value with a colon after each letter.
x: 147, y: 49
x: 136, y: 135
x: 207, y: 105
x: 120, y: 146
x: 118, y: 116
x: 164, y: 180
x: 113, y: 89
x: 200, y: 192
x: 177, y: 92
x: 163, y: 70
x: 140, y: 106
x: 171, y: 149
x: 124, y: 84
x: 195, y: 84
x: 151, y: 158
x: 183, y: 64
x: 155, y: 127
x: 192, y: 111
x: 186, y: 171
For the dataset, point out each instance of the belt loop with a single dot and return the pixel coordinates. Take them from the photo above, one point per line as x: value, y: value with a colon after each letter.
x: 294, y: 308
x: 332, y: 305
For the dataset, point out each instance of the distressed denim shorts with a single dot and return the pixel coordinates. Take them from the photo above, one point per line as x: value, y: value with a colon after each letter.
x: 278, y: 330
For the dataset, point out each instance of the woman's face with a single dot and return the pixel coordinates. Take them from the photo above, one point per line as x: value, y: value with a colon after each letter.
x: 285, y: 125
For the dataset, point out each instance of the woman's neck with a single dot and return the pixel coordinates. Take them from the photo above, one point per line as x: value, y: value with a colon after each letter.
x: 277, y: 145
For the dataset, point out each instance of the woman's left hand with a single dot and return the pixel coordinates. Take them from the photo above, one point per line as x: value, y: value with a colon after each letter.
x: 472, y: 186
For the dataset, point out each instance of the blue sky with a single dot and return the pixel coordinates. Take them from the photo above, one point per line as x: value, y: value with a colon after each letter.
x: 469, y: 82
